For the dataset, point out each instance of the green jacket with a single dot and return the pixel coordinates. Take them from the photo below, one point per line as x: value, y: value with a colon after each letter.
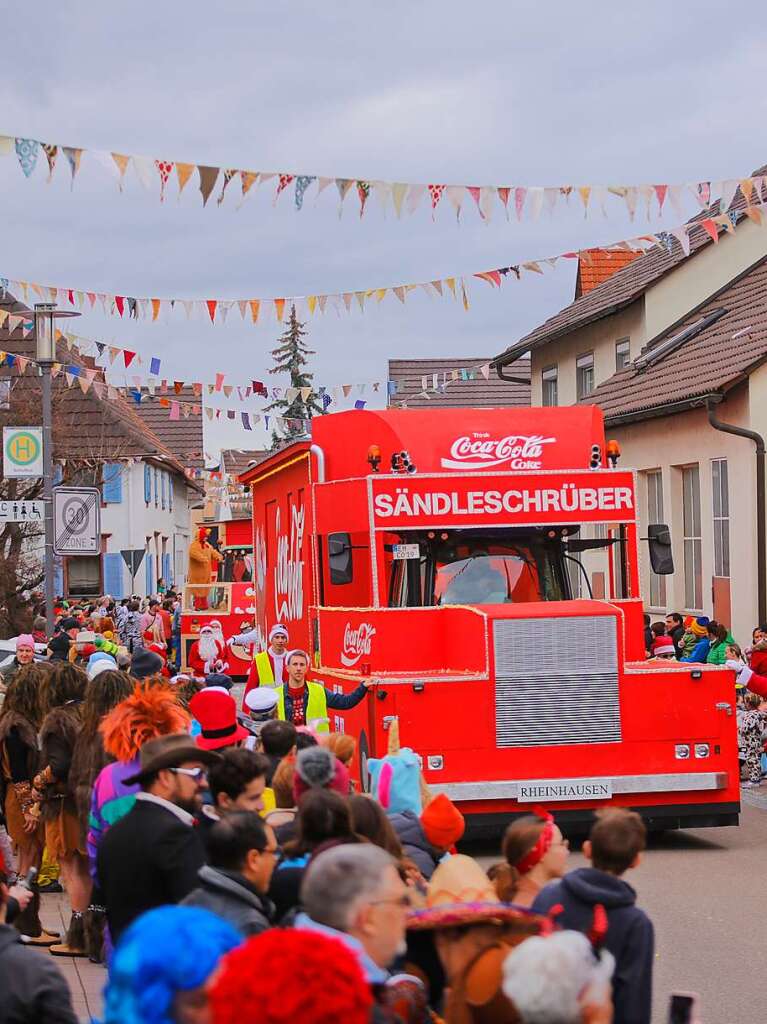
x: 717, y: 654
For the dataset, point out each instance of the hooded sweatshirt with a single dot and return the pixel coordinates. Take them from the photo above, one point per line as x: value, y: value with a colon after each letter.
x: 415, y: 845
x: 630, y: 936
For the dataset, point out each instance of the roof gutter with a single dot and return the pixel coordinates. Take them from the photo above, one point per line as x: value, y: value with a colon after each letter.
x: 761, y: 540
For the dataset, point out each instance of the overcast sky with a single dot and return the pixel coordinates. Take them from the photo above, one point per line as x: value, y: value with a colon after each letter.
x: 493, y: 93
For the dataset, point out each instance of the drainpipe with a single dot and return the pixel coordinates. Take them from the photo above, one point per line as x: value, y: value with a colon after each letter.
x: 511, y: 380
x: 761, y: 546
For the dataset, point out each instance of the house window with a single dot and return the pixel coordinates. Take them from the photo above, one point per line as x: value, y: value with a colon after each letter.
x: 622, y: 355
x: 693, y: 551
x: 655, y: 515
x: 549, y: 386
x: 721, y: 517
x: 584, y: 374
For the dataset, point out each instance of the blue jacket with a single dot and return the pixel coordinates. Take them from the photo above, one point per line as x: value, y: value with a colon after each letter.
x: 630, y: 935
x: 699, y: 651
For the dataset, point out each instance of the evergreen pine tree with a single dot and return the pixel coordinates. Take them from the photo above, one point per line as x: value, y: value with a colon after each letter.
x: 291, y: 357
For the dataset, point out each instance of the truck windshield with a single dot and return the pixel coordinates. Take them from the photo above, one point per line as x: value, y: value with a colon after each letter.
x: 477, y: 569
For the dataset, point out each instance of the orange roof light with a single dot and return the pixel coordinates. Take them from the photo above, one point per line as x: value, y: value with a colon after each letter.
x: 613, y: 452
x: 374, y: 457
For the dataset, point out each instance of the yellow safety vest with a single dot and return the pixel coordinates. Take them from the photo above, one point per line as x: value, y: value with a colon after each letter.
x: 316, y: 707
x: 264, y: 668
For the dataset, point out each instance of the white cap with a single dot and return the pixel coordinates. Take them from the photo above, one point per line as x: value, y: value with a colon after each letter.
x: 261, y: 699
x: 278, y: 628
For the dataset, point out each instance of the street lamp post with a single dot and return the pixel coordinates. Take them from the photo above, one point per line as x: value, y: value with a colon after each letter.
x: 46, y: 315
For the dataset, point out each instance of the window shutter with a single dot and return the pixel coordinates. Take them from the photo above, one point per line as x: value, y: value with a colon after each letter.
x: 112, y: 483
x: 150, y: 580
x: 113, y: 575
x: 156, y: 488
x: 170, y: 492
x: 58, y: 577
x: 58, y: 474
x: 167, y: 569
x: 147, y: 482
x: 163, y: 486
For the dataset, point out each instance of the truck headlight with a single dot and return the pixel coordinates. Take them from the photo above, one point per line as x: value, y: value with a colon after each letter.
x: 682, y: 751
x: 702, y: 750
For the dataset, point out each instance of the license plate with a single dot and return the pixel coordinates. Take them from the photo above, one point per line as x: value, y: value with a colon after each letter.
x: 401, y: 552
x: 540, y: 790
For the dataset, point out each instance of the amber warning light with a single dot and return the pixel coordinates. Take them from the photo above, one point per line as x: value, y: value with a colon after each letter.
x: 613, y: 452
x: 374, y: 457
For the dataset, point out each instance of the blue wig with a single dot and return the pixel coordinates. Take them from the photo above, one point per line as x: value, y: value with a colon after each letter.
x: 164, y: 951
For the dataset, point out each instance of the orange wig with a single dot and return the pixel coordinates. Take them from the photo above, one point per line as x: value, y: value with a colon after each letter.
x: 149, y: 712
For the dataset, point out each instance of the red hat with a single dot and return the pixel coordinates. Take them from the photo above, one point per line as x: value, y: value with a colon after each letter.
x: 442, y: 822
x: 203, y: 532
x: 217, y: 714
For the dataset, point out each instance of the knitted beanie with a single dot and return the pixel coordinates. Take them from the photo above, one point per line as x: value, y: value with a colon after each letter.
x: 442, y: 822
x: 700, y: 626
x: 317, y: 768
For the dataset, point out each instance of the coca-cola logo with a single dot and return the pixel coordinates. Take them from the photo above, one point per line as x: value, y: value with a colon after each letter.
x: 480, y: 451
x: 357, y: 642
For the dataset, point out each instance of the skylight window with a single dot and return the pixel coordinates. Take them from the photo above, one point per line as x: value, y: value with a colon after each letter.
x: 653, y: 354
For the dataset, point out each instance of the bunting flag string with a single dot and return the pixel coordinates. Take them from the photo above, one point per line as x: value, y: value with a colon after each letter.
x: 482, y: 200
x: 163, y: 391
x: 256, y: 388
x: 215, y: 310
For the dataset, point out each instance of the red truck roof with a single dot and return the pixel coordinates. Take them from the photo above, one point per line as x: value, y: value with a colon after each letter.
x: 452, y: 440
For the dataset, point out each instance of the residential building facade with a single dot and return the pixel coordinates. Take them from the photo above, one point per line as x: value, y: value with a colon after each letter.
x: 670, y: 346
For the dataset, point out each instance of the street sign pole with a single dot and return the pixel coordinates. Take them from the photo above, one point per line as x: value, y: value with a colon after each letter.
x: 50, y: 597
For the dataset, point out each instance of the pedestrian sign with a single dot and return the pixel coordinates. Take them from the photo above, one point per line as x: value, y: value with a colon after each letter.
x: 76, y: 520
x: 22, y: 511
x: 22, y: 451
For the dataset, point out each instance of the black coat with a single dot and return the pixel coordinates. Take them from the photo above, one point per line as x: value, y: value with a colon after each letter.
x: 630, y: 936
x: 146, y: 859
x: 32, y: 988
x: 676, y: 635
x: 232, y: 897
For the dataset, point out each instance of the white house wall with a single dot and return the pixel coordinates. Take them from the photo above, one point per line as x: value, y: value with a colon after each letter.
x: 671, y: 442
x: 131, y: 521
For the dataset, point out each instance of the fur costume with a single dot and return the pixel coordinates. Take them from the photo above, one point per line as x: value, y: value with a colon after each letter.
x: 62, y: 723
x: 166, y: 950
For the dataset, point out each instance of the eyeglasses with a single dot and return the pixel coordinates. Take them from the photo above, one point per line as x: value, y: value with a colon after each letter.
x: 192, y: 773
x: 397, y: 901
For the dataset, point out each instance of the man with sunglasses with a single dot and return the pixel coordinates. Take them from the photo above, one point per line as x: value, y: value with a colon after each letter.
x: 151, y: 856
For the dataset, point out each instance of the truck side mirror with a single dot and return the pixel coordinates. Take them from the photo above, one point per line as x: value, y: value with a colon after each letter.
x: 340, y: 558
x: 661, y: 556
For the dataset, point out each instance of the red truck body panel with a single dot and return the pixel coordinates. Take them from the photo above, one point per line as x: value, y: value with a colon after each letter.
x: 525, y: 701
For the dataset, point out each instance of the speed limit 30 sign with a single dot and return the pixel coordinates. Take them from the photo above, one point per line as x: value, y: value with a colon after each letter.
x: 76, y: 520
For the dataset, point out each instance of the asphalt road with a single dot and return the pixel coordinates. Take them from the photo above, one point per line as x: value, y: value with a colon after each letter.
x: 704, y: 890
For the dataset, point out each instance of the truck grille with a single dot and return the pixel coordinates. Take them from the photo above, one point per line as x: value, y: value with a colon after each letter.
x: 556, y: 681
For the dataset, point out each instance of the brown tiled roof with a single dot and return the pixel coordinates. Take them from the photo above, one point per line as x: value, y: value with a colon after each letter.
x: 183, y: 436
x: 595, y: 267
x: 619, y: 290
x: 85, y: 426
x: 235, y: 460
x: 408, y: 374
x: 712, y: 361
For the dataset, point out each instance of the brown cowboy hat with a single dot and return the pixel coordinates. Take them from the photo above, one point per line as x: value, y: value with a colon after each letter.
x: 169, y: 752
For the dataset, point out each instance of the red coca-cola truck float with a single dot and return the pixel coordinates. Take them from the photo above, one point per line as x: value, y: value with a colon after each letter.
x: 436, y: 551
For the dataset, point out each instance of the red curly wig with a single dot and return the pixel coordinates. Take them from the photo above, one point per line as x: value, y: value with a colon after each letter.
x: 288, y: 975
x: 150, y: 711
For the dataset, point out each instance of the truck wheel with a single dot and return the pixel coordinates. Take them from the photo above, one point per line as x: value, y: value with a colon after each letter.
x: 364, y: 753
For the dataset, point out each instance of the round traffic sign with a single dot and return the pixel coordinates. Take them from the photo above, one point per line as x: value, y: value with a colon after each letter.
x: 23, y: 448
x: 75, y: 516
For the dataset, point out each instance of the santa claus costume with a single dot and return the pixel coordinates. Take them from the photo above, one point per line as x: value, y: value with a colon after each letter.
x: 208, y: 654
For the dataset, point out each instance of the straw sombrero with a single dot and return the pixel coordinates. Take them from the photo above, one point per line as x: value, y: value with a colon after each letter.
x: 460, y: 893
